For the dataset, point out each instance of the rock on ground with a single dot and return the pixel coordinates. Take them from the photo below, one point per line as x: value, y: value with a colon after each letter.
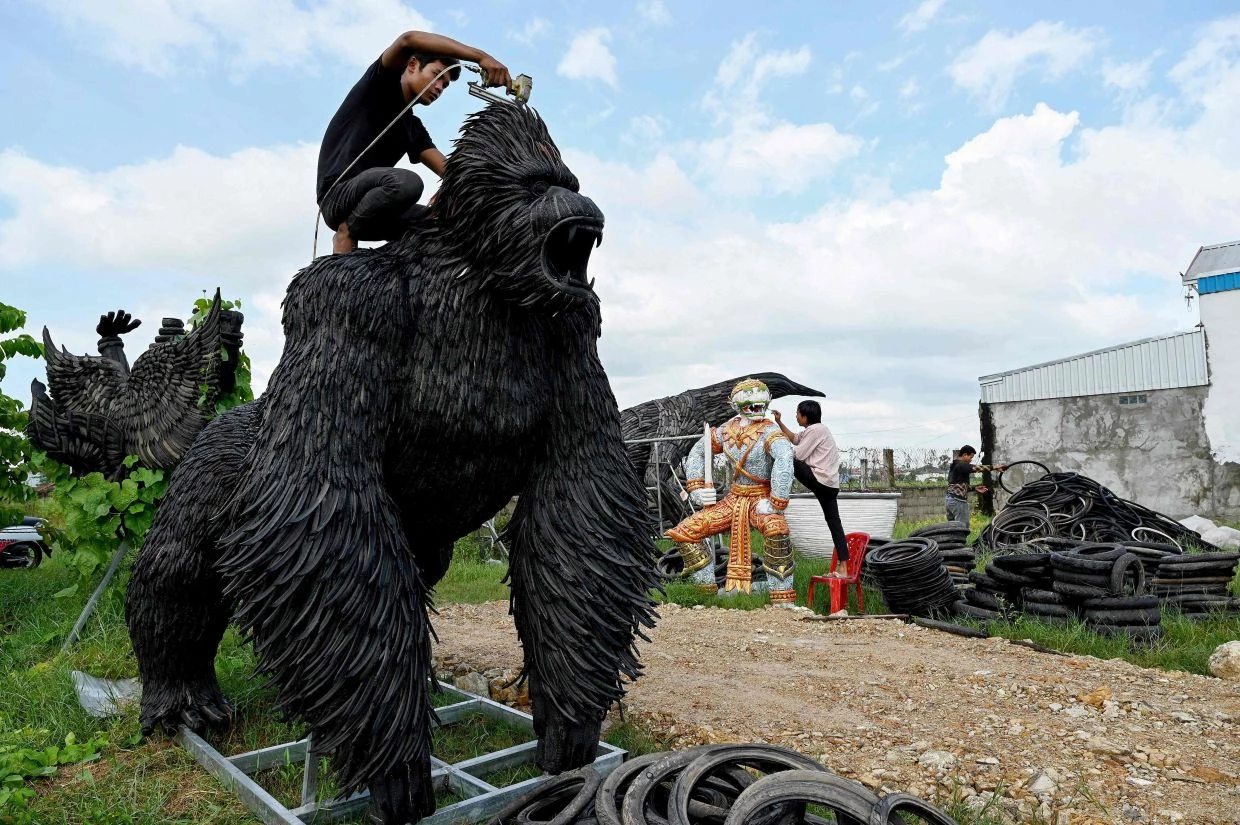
x: 1225, y: 662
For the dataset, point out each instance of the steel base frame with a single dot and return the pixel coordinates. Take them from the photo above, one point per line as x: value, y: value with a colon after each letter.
x: 482, y: 800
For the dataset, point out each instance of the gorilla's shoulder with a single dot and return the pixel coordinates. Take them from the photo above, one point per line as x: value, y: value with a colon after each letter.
x: 366, y: 284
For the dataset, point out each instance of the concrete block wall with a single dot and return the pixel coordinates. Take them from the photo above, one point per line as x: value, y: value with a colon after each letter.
x: 921, y: 503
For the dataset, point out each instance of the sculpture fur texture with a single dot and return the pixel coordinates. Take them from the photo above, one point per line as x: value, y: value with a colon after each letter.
x: 422, y: 385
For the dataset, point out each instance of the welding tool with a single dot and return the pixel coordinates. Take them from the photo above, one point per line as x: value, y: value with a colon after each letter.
x: 520, y: 89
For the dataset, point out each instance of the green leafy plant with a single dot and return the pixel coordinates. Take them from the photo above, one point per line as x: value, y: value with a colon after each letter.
x: 20, y: 764
x: 98, y: 513
x: 242, y: 392
x: 15, y: 449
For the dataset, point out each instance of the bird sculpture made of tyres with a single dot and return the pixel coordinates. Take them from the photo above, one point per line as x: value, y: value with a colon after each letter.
x: 423, y: 384
x: 100, y: 411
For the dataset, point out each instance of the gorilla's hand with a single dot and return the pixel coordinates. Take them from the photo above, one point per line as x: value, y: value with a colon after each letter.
x: 116, y: 323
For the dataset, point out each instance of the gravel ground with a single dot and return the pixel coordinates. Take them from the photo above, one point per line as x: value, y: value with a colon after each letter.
x: 1067, y: 740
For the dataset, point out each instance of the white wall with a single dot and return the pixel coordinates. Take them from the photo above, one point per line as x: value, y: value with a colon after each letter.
x: 1220, y: 313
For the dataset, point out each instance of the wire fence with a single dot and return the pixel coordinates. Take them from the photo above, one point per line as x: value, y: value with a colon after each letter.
x: 861, y: 468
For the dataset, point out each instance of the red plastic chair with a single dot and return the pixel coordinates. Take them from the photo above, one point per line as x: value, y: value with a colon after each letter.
x: 857, y: 545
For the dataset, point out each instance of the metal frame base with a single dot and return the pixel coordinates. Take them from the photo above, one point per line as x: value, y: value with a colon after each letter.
x: 482, y: 800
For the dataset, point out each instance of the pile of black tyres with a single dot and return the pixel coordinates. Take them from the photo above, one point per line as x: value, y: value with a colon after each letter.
x: 1105, y: 585
x: 713, y: 785
x: 1073, y: 506
x: 1197, y: 584
x: 911, y: 576
x: 867, y: 572
x: 951, y: 539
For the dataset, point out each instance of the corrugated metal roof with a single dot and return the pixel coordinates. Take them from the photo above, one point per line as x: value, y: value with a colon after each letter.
x: 1151, y: 364
x: 1218, y: 283
x: 1220, y: 259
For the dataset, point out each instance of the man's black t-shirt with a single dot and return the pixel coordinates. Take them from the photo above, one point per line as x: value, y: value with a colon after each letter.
x: 959, y: 472
x: 370, y: 105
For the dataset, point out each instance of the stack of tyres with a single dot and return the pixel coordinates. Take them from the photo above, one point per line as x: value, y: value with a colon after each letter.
x: 912, y: 577
x: 1197, y: 584
x: 1047, y: 605
x: 867, y: 572
x: 1106, y: 586
x: 1137, y: 617
x: 1096, y: 570
x: 958, y: 558
x: 1151, y: 555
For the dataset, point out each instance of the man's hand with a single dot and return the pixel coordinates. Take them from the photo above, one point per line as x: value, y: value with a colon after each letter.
x: 703, y: 496
x: 982, y: 489
x: 116, y: 323
x: 778, y: 417
x: 494, y: 73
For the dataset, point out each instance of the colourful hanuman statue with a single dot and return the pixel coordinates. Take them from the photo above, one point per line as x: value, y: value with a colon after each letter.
x: 761, y: 457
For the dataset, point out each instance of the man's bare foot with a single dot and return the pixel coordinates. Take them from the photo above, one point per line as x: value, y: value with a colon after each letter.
x: 342, y: 241
x: 841, y: 570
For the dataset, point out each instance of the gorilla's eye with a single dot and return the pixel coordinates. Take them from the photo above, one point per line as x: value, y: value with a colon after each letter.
x: 539, y: 186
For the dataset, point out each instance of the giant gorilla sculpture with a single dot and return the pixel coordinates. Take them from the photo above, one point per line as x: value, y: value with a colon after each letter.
x: 422, y: 385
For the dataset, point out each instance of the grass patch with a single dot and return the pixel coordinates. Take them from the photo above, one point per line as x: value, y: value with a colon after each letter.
x: 469, y: 581
x: 475, y: 734
x: 511, y: 776
x: 1186, y: 645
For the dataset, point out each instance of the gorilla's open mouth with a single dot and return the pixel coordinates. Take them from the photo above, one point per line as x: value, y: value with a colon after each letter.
x: 566, y: 251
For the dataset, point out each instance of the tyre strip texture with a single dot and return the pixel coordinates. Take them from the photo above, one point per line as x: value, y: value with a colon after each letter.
x: 714, y: 785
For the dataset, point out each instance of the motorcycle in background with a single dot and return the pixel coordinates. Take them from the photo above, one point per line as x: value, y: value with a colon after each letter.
x: 23, y: 545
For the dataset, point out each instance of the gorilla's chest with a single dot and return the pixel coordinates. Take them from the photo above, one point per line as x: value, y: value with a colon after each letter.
x: 476, y: 417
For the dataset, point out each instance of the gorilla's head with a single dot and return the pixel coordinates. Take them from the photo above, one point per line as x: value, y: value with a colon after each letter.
x: 510, y: 208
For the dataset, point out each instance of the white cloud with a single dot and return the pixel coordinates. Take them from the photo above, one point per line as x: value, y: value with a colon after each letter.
x: 892, y: 303
x: 163, y: 36
x: 777, y: 158
x: 761, y: 153
x: 909, y: 88
x: 244, y: 222
x: 744, y: 71
x: 1127, y: 77
x: 646, y: 130
x: 896, y: 62
x: 588, y: 58
x: 921, y: 17
x: 989, y: 68
x: 534, y: 29
x: 654, y: 11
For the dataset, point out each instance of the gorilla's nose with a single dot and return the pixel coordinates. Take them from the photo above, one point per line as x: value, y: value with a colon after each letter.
x: 558, y: 203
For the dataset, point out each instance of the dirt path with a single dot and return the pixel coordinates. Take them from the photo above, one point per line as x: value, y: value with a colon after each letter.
x: 1076, y: 739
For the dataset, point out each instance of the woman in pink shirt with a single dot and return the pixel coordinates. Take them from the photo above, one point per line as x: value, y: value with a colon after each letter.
x: 817, y: 466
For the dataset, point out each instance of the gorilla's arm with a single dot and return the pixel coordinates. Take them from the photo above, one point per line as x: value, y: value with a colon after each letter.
x: 582, y: 566
x: 316, y: 555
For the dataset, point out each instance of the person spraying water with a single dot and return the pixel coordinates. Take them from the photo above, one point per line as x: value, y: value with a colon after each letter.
x: 361, y: 195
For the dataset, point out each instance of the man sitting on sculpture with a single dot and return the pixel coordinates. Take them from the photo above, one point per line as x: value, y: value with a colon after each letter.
x: 761, y: 456
x: 363, y: 197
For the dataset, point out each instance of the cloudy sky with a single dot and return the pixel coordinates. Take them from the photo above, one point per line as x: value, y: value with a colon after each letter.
x: 884, y: 200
